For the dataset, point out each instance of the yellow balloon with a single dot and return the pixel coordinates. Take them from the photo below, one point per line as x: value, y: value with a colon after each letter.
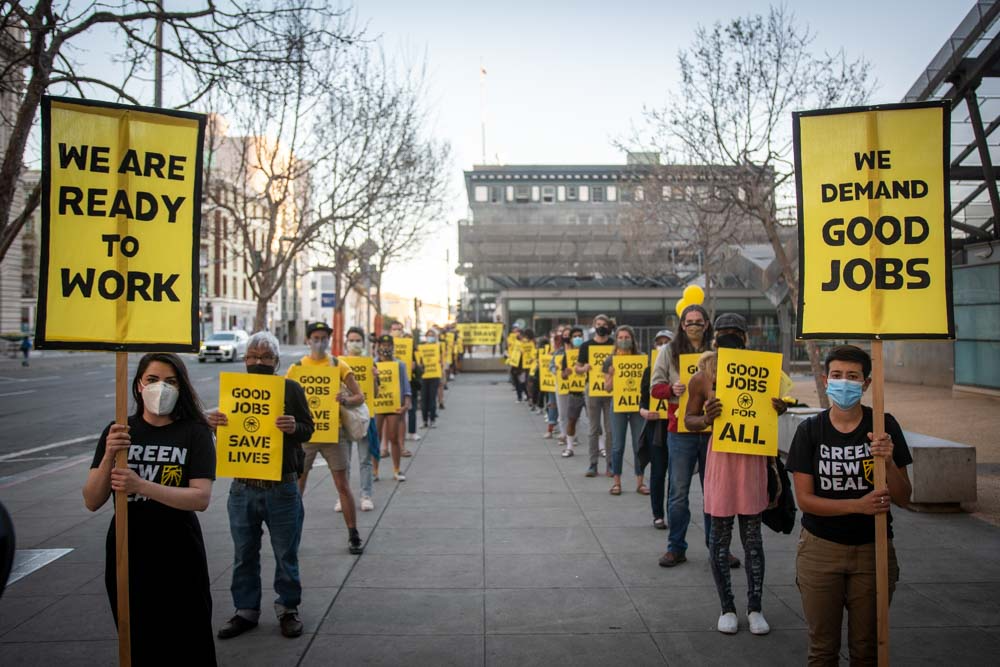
x: 694, y: 294
x: 681, y: 305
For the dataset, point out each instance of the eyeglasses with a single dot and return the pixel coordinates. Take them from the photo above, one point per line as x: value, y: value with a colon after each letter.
x: 266, y: 358
x: 694, y: 323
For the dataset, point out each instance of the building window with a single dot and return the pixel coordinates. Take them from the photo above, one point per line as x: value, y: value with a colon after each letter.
x: 612, y: 193
x: 481, y: 193
x: 522, y: 193
x: 510, y: 193
x: 548, y: 194
x: 597, y: 193
x: 639, y: 194
x: 496, y: 194
x: 572, y: 192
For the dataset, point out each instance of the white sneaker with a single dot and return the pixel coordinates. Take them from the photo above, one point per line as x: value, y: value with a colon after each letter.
x: 337, y: 507
x: 758, y: 624
x: 413, y: 436
x: 366, y: 504
x: 399, y: 477
x: 567, y: 453
x: 604, y: 452
x: 728, y: 624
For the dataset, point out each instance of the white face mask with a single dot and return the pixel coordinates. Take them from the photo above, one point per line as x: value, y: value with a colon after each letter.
x: 319, y: 347
x: 159, y: 398
x: 355, y: 348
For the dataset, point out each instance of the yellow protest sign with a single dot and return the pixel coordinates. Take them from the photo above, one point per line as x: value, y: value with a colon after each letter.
x: 250, y: 445
x: 512, y: 344
x: 364, y: 373
x: 688, y: 367
x: 321, y: 385
x: 874, y: 211
x: 577, y: 382
x: 121, y: 218
x: 480, y: 333
x: 627, y: 383
x: 546, y: 378
x: 448, y: 348
x: 595, y: 378
x: 430, y: 357
x: 528, y: 352
x: 745, y: 384
x: 658, y: 405
x: 387, y: 400
x: 514, y: 354
x: 403, y: 350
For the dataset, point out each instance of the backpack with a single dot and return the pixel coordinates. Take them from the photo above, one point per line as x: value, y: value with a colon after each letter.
x: 780, y: 513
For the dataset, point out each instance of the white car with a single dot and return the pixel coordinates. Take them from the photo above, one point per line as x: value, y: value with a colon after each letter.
x: 224, y: 346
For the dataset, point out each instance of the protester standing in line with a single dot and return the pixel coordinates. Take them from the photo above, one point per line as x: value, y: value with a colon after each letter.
x: 389, y: 424
x: 654, y: 438
x: 355, y: 347
x: 575, y: 400
x: 409, y: 424
x: 278, y: 504
x: 832, y: 459
x: 621, y: 421
x: 552, y: 418
x: 598, y: 407
x: 735, y: 486
x: 428, y: 387
x: 168, y: 440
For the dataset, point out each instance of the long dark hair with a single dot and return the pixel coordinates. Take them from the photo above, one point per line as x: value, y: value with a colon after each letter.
x: 631, y: 332
x: 188, y: 406
x: 681, y: 344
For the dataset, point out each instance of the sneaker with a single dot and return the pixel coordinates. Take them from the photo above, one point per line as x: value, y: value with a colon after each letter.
x: 672, y: 558
x: 547, y: 436
x: 291, y: 626
x: 337, y: 507
x: 434, y: 423
x: 366, y: 504
x: 413, y: 436
x: 758, y: 624
x: 235, y: 627
x: 374, y: 473
x: 399, y: 477
x: 355, y: 546
x: 604, y: 453
x: 566, y: 453
x: 734, y: 562
x: 591, y: 472
x: 728, y: 624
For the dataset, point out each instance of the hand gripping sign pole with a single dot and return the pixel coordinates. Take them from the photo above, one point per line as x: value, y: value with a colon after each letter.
x: 121, y: 217
x: 873, y: 211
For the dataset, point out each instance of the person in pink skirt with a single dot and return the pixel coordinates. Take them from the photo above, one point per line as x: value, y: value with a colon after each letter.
x: 735, y: 485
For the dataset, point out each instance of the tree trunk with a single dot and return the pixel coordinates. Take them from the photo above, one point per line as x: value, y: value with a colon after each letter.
x: 260, y: 317
x: 337, y: 337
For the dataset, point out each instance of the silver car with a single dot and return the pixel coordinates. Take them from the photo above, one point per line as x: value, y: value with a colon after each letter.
x: 224, y: 346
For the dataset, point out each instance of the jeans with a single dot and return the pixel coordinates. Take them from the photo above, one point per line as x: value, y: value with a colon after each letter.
x: 753, y: 551
x: 657, y: 476
x: 364, y: 465
x: 429, y: 398
x: 562, y: 407
x: 684, y: 451
x: 551, y: 414
x: 280, y: 507
x: 620, y: 421
x: 598, y: 408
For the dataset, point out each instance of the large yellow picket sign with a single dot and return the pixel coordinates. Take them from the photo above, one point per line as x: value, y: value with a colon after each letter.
x: 250, y: 445
x: 321, y: 385
x: 403, y: 350
x: 745, y: 384
x: 480, y: 333
x: 595, y: 377
x: 121, y: 214
x: 387, y: 400
x: 364, y: 373
x: 546, y: 378
x: 688, y: 367
x: 873, y: 214
x: 658, y: 405
x: 430, y: 357
x: 627, y: 383
x: 576, y: 382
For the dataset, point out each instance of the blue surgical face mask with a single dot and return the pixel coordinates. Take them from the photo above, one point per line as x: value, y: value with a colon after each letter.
x: 844, y: 393
x: 577, y: 341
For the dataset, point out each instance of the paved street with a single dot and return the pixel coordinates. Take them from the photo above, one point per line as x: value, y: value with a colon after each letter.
x: 495, y: 551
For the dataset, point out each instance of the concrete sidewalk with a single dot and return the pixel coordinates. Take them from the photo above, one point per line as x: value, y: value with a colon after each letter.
x: 496, y: 551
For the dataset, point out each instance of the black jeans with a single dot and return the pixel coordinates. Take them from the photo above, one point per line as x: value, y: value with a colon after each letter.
x: 658, y: 457
x: 429, y: 398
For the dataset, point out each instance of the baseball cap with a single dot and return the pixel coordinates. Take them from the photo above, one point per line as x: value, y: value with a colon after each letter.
x: 730, y: 321
x: 318, y: 326
x: 664, y: 333
x: 386, y: 338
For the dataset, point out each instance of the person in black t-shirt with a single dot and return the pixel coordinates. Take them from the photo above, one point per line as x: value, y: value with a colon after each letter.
x: 832, y: 459
x: 598, y: 407
x: 171, y: 465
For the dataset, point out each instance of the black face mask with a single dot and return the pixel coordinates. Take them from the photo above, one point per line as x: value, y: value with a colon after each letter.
x: 730, y: 340
x: 385, y: 353
x: 261, y: 369
x: 602, y: 331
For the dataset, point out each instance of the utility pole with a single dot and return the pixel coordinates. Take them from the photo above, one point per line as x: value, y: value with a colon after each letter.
x: 158, y: 62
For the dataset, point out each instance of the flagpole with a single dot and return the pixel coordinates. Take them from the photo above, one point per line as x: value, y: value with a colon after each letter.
x: 482, y: 108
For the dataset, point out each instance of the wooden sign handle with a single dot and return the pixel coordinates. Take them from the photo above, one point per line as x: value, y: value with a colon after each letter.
x: 881, y: 520
x: 121, y: 517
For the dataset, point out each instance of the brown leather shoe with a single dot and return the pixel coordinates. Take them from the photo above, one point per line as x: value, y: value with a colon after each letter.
x: 291, y: 626
x: 672, y: 558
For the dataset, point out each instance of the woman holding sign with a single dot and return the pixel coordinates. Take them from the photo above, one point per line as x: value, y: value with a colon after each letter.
x: 621, y: 421
x: 171, y: 460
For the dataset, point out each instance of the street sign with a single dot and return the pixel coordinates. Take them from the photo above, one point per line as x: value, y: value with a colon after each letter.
x: 328, y: 300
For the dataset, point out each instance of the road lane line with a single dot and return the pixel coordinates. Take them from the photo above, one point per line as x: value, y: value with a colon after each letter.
x: 11, y: 480
x: 54, y: 445
x: 37, y: 379
x: 18, y: 393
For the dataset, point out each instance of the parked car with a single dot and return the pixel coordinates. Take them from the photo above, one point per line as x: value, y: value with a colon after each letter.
x: 224, y: 346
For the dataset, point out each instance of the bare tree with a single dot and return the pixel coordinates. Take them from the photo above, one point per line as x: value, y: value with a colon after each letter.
x: 740, y: 81
x: 205, y: 42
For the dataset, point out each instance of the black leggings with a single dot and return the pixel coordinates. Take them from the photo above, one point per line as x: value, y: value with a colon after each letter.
x: 429, y: 398
x: 753, y: 549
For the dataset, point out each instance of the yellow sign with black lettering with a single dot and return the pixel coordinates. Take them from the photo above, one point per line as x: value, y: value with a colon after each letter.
x: 430, y: 357
x: 387, y: 400
x: 528, y: 353
x: 745, y: 384
x: 250, y: 444
x: 595, y: 378
x: 874, y: 210
x: 627, y: 381
x: 364, y: 372
x: 658, y: 405
x: 480, y: 333
x: 121, y: 219
x: 403, y: 350
x: 688, y: 367
x: 321, y: 385
x: 546, y: 378
x: 577, y: 382
x: 514, y: 355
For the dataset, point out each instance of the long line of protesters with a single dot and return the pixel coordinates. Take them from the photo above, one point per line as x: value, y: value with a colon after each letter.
x: 170, y: 449
x: 831, y: 461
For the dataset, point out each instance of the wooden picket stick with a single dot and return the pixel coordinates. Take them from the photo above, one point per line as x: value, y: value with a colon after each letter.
x: 881, y: 520
x: 121, y: 517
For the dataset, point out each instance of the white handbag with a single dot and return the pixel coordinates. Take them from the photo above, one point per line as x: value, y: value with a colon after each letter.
x: 354, y: 420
